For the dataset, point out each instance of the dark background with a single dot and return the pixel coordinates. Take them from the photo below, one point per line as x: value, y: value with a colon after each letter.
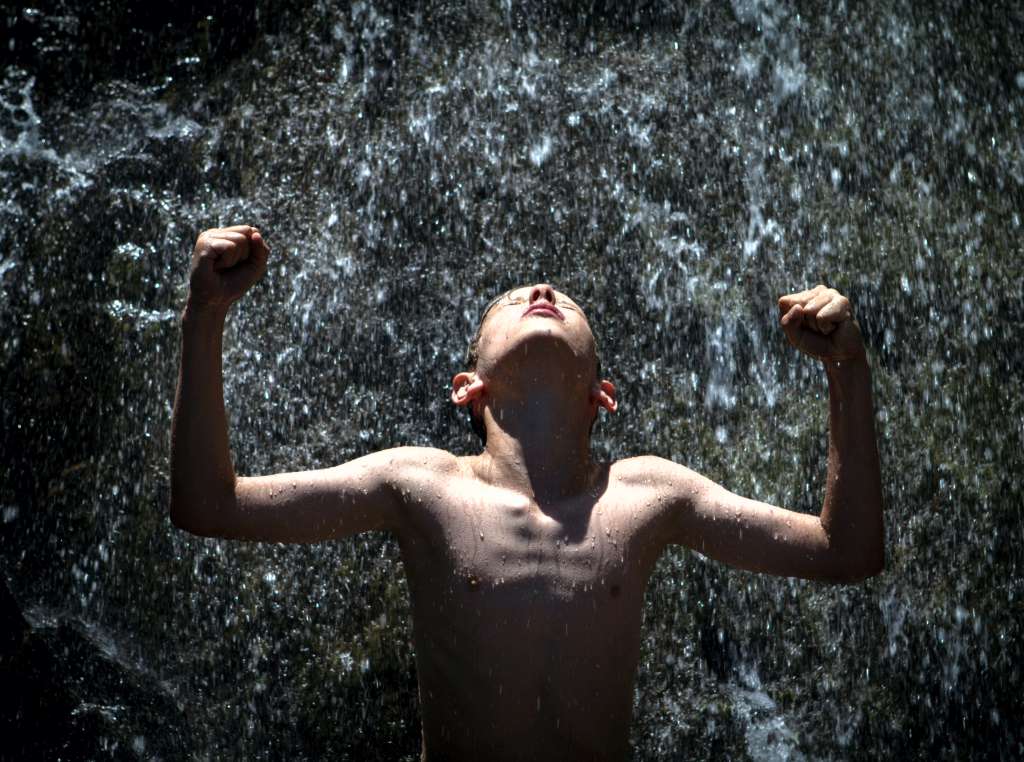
x: 673, y: 166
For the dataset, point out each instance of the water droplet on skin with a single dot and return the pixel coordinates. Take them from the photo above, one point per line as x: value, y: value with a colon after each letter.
x: 481, y: 535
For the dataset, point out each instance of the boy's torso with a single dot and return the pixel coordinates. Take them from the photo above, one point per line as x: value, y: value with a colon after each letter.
x: 527, y: 616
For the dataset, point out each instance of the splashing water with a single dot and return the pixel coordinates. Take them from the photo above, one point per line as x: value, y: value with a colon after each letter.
x: 675, y: 167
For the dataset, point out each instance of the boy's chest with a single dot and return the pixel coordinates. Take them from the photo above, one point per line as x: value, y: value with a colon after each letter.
x: 513, y: 555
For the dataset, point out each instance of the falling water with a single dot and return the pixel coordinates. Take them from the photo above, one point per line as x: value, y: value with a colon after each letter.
x: 675, y: 167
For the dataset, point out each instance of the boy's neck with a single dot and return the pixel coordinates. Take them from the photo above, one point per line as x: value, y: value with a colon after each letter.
x: 539, y: 446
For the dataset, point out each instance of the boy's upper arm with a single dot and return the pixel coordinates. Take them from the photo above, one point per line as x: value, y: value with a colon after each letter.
x: 361, y: 495
x: 739, y: 531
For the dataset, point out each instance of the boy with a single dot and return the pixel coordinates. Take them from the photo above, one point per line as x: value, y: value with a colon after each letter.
x: 526, y: 563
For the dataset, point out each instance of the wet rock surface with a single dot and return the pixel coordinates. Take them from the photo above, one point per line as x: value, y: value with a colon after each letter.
x: 675, y: 167
x: 70, y: 694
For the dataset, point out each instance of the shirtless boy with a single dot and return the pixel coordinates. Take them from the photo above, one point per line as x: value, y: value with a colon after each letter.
x: 526, y: 563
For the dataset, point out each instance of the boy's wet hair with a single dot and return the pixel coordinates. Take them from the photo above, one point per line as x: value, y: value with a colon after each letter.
x: 473, y: 352
x: 473, y: 355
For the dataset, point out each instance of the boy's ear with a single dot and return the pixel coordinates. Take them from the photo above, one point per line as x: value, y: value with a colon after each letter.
x: 603, y: 393
x: 466, y: 387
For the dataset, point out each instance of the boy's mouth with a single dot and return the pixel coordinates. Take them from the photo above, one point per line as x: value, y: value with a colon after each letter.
x: 545, y: 309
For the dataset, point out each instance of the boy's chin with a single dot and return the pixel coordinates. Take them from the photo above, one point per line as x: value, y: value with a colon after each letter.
x: 540, y: 354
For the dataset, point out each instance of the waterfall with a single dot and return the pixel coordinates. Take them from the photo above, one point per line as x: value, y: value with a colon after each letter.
x: 673, y: 166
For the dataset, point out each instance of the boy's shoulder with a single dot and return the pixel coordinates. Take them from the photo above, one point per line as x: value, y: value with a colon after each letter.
x: 648, y: 470
x: 412, y: 458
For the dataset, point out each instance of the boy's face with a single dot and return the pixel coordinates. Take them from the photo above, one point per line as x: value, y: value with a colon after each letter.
x: 536, y: 316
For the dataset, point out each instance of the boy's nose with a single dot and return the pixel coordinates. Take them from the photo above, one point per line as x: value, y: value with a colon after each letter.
x: 542, y: 291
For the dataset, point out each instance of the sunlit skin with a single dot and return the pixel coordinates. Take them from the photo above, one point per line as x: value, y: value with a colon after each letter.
x: 527, y: 563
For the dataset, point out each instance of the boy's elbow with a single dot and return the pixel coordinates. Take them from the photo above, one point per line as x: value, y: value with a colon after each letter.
x: 873, y: 561
x: 851, y: 560
x: 185, y: 517
x: 188, y: 526
x: 863, y: 568
x: 181, y: 520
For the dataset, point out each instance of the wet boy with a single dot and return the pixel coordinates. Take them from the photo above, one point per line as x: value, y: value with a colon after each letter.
x: 526, y: 563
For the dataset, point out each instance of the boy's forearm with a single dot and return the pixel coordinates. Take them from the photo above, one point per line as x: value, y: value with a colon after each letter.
x: 852, y: 513
x: 202, y: 475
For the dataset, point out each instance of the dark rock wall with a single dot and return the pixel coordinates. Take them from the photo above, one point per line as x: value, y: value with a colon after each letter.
x: 676, y: 167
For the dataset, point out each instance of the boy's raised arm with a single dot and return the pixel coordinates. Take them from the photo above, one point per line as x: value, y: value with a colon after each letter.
x: 845, y: 543
x: 206, y: 496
